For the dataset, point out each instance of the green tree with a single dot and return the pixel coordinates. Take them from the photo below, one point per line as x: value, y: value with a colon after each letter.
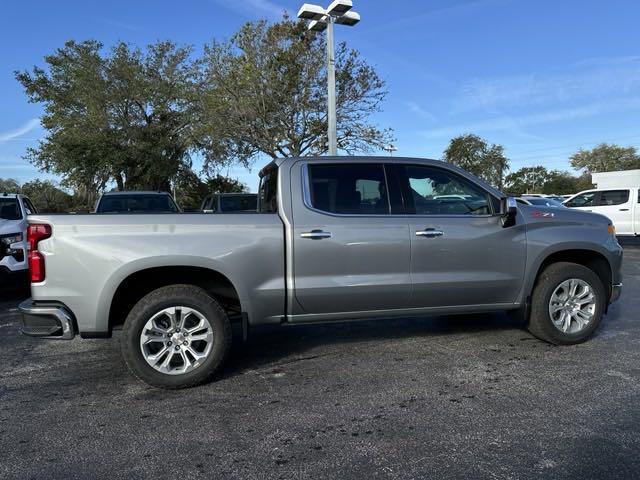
x: 190, y: 189
x: 606, y: 158
x: 47, y: 197
x: 475, y: 155
x: 9, y: 185
x: 562, y: 183
x: 221, y: 184
x: 266, y: 95
x: 124, y: 117
x: 527, y: 180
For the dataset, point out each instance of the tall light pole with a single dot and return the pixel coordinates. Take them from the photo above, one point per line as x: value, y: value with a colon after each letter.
x: 339, y: 12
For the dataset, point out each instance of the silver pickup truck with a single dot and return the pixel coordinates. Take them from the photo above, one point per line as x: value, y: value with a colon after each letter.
x: 334, y: 239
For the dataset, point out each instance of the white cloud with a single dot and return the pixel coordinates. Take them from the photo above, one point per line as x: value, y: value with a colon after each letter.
x: 254, y: 8
x: 421, y: 112
x: 514, y: 123
x: 592, y: 79
x: 18, y: 132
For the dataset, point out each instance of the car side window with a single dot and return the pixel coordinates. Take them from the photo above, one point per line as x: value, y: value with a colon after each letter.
x: 29, y: 208
x: 435, y: 191
x: 582, y: 200
x: 353, y: 189
x: 268, y: 192
x: 612, y: 197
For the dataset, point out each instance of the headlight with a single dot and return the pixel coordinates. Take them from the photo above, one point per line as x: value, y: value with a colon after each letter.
x: 10, y: 239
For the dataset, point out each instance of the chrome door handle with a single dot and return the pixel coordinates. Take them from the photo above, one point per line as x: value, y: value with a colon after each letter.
x: 429, y: 233
x: 316, y: 234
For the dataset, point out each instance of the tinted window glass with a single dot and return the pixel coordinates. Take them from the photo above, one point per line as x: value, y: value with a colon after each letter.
x: 208, y: 203
x: 433, y: 191
x: 358, y: 189
x: 268, y: 193
x: 137, y: 204
x: 29, y: 208
x: 9, y: 209
x: 238, y: 203
x: 583, y: 200
x: 612, y: 197
x: 544, y: 202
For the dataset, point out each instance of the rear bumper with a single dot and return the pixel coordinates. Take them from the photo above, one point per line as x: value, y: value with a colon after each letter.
x: 616, y: 291
x: 46, y: 320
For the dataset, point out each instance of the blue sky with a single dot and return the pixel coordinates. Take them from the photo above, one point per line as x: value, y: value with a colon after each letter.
x: 542, y: 78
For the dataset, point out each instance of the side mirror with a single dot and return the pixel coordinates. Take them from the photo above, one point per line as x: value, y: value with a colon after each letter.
x: 509, y: 211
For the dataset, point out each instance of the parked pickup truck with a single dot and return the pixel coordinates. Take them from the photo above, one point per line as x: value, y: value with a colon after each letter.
x: 334, y: 239
x: 14, y: 209
x: 620, y: 205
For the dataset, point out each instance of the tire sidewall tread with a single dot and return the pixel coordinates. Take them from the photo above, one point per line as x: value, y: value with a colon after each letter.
x: 540, y: 324
x: 187, y: 295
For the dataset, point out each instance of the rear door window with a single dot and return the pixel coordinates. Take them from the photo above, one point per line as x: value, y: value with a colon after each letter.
x: 349, y: 189
x: 611, y: 197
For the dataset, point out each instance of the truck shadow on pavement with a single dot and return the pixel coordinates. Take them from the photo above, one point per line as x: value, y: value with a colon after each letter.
x: 277, y: 345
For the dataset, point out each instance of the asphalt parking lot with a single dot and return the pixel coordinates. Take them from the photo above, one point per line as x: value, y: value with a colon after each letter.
x: 455, y: 397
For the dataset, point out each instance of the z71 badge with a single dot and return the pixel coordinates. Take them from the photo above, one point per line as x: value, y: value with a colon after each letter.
x: 543, y: 214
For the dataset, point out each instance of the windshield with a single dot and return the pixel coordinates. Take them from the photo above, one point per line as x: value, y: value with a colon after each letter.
x: 546, y: 202
x: 137, y: 203
x: 9, y: 209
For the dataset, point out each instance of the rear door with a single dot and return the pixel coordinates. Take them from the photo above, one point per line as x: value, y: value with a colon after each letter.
x: 460, y: 252
x: 349, y: 253
x: 617, y: 205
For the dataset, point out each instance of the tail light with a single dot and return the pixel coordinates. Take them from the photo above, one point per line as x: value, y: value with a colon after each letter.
x: 36, y: 233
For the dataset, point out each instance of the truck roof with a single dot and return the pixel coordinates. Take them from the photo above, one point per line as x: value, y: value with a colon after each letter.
x: 278, y: 162
x: 135, y: 192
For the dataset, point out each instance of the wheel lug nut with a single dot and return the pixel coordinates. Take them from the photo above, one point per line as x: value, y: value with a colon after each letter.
x: 186, y: 343
x: 177, y: 347
x: 169, y: 343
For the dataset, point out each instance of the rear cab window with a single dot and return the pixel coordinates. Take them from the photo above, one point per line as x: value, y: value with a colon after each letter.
x: 137, y: 203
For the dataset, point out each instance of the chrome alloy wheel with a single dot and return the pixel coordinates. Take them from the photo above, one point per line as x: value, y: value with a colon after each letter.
x: 572, y: 305
x: 176, y: 340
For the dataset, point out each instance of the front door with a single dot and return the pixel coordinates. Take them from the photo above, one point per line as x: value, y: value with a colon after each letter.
x: 460, y: 252
x: 350, y: 254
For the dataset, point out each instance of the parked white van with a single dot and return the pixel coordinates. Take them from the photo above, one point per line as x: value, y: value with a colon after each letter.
x: 14, y: 266
x: 620, y: 205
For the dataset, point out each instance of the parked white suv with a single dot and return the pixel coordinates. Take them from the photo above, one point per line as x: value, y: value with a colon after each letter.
x: 14, y: 209
x: 620, y: 205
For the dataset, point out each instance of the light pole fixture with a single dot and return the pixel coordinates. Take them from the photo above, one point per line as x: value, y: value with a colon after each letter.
x: 390, y: 148
x: 339, y: 11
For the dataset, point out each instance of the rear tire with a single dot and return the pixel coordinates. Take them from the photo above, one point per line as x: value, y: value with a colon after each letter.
x: 565, y: 289
x: 176, y: 337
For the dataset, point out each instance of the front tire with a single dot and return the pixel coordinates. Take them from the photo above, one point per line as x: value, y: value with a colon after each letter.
x: 176, y: 337
x: 567, y: 304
